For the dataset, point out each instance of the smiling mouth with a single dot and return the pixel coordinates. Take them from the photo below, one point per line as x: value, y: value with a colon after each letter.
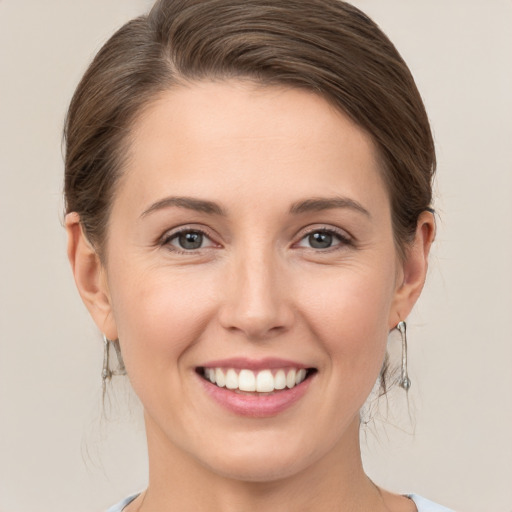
x: 260, y: 382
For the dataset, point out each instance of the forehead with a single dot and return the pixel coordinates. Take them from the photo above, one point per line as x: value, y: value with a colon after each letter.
x: 221, y: 136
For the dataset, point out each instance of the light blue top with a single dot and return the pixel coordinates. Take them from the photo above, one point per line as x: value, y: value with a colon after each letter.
x: 422, y: 504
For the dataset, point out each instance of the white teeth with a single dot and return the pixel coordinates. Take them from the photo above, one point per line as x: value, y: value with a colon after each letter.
x: 301, y: 375
x: 264, y: 381
x: 290, y: 378
x: 246, y: 380
x: 231, y: 379
x: 220, y: 380
x: 280, y: 380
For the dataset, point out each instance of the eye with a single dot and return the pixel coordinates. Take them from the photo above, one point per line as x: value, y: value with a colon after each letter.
x: 188, y: 240
x: 323, y: 239
x: 320, y: 240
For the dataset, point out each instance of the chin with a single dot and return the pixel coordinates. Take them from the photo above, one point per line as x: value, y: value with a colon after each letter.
x: 268, y: 460
x: 259, y: 469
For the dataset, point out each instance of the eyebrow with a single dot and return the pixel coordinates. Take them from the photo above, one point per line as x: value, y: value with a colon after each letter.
x: 190, y: 203
x: 317, y: 204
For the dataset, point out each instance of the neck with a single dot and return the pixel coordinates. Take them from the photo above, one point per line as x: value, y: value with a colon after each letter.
x: 335, y: 482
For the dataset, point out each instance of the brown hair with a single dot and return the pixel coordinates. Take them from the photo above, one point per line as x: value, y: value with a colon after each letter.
x: 325, y: 46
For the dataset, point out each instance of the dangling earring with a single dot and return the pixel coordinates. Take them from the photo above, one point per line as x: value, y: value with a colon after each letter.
x: 404, y: 382
x: 107, y: 373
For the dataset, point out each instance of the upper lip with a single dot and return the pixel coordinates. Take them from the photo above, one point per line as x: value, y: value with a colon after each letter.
x: 267, y: 363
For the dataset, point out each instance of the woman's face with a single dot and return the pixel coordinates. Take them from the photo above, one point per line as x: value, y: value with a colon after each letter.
x: 250, y: 238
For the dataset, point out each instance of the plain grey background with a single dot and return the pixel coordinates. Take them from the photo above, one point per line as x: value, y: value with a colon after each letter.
x: 57, y: 453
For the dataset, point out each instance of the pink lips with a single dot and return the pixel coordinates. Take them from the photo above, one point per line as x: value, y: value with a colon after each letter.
x: 252, y: 364
x: 255, y: 405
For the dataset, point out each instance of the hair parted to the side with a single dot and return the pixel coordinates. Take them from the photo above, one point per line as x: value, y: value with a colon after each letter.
x: 328, y: 47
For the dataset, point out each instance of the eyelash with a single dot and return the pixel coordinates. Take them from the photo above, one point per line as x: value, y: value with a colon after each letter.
x: 168, y: 238
x: 343, y: 239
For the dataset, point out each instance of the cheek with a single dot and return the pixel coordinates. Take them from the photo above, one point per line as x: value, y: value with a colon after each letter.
x: 159, y: 315
x: 349, y: 314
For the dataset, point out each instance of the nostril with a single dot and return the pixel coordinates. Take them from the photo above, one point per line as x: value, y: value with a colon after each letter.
x: 256, y: 310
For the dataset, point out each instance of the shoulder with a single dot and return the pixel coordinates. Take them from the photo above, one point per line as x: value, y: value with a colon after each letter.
x: 424, y: 505
x: 119, y: 507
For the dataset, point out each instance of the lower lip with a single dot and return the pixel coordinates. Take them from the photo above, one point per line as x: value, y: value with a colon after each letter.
x: 255, y: 405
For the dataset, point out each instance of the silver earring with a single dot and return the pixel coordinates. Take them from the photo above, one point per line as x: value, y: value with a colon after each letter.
x: 107, y: 373
x: 405, y: 382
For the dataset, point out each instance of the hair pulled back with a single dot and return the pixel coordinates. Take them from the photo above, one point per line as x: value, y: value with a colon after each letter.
x: 325, y: 46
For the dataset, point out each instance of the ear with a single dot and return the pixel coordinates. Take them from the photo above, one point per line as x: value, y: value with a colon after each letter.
x: 414, y: 269
x: 90, y: 276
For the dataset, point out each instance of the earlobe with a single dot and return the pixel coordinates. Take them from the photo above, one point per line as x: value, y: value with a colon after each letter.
x: 90, y: 277
x: 414, y: 269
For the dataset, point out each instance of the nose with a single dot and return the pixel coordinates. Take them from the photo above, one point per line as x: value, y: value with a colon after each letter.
x: 257, y: 302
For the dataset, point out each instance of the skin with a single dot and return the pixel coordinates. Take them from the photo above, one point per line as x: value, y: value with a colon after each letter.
x: 256, y: 288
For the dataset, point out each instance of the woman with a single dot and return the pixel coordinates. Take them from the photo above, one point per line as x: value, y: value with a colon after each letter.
x: 248, y: 191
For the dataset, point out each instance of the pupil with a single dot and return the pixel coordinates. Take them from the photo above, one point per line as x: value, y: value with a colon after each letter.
x: 191, y: 240
x: 320, y: 240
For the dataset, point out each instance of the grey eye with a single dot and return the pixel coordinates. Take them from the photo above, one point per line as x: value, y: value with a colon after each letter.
x: 320, y: 240
x: 190, y: 240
